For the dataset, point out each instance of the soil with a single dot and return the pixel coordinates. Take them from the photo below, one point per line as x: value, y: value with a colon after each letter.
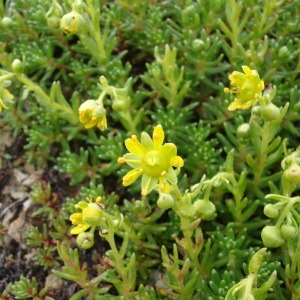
x: 16, y: 216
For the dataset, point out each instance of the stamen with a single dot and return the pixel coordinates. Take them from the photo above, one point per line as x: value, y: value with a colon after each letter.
x: 121, y: 160
x: 145, y: 190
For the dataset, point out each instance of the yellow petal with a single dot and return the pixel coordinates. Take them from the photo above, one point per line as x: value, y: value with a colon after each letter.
x: 131, y: 176
x: 176, y: 161
x: 247, y: 70
x: 158, y: 137
x: 80, y: 228
x: 76, y: 218
x: 134, y: 146
x: 233, y: 106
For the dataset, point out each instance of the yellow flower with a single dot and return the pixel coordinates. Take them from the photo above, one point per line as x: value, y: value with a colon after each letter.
x: 5, y: 95
x: 246, y: 88
x: 153, y: 160
x: 89, y: 216
x: 92, y: 113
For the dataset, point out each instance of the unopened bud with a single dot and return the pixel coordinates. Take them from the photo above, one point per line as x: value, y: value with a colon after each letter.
x: 270, y: 112
x: 271, y: 211
x: 120, y: 105
x: 288, y: 231
x: 17, y: 66
x: 6, y: 21
x: 53, y: 15
x: 292, y: 174
x: 272, y: 237
x: 243, y: 131
x: 85, y: 240
x: 72, y: 22
x: 165, y: 201
x: 205, y: 209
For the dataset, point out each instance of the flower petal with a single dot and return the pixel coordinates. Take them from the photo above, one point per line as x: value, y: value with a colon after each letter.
x: 169, y: 150
x: 80, y: 228
x: 147, y: 141
x: 134, y: 146
x: 247, y: 70
x: 176, y: 161
x: 131, y: 176
x: 148, y: 184
x: 158, y: 137
x: 171, y: 176
x: 76, y: 218
x: 132, y: 160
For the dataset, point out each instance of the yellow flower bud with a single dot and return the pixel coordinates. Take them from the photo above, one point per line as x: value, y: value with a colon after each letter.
x: 5, y: 96
x: 72, y: 22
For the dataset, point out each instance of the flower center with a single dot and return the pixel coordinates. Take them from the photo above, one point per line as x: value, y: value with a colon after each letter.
x: 154, y: 163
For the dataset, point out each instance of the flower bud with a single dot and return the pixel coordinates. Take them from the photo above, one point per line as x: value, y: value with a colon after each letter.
x: 85, y: 240
x: 92, y: 214
x: 292, y: 174
x: 72, y: 22
x: 53, y: 15
x: 165, y: 201
x: 187, y: 210
x: 272, y: 237
x: 120, y: 105
x: 271, y: 211
x: 6, y: 21
x: 17, y: 66
x: 243, y: 131
x: 205, y: 209
x: 270, y: 112
x: 288, y: 231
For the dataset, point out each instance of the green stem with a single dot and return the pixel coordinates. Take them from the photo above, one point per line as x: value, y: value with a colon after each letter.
x: 128, y: 124
x: 235, y: 191
x: 45, y: 100
x: 7, y: 76
x: 125, y: 285
x: 192, y: 249
x: 285, y: 212
x: 248, y: 287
